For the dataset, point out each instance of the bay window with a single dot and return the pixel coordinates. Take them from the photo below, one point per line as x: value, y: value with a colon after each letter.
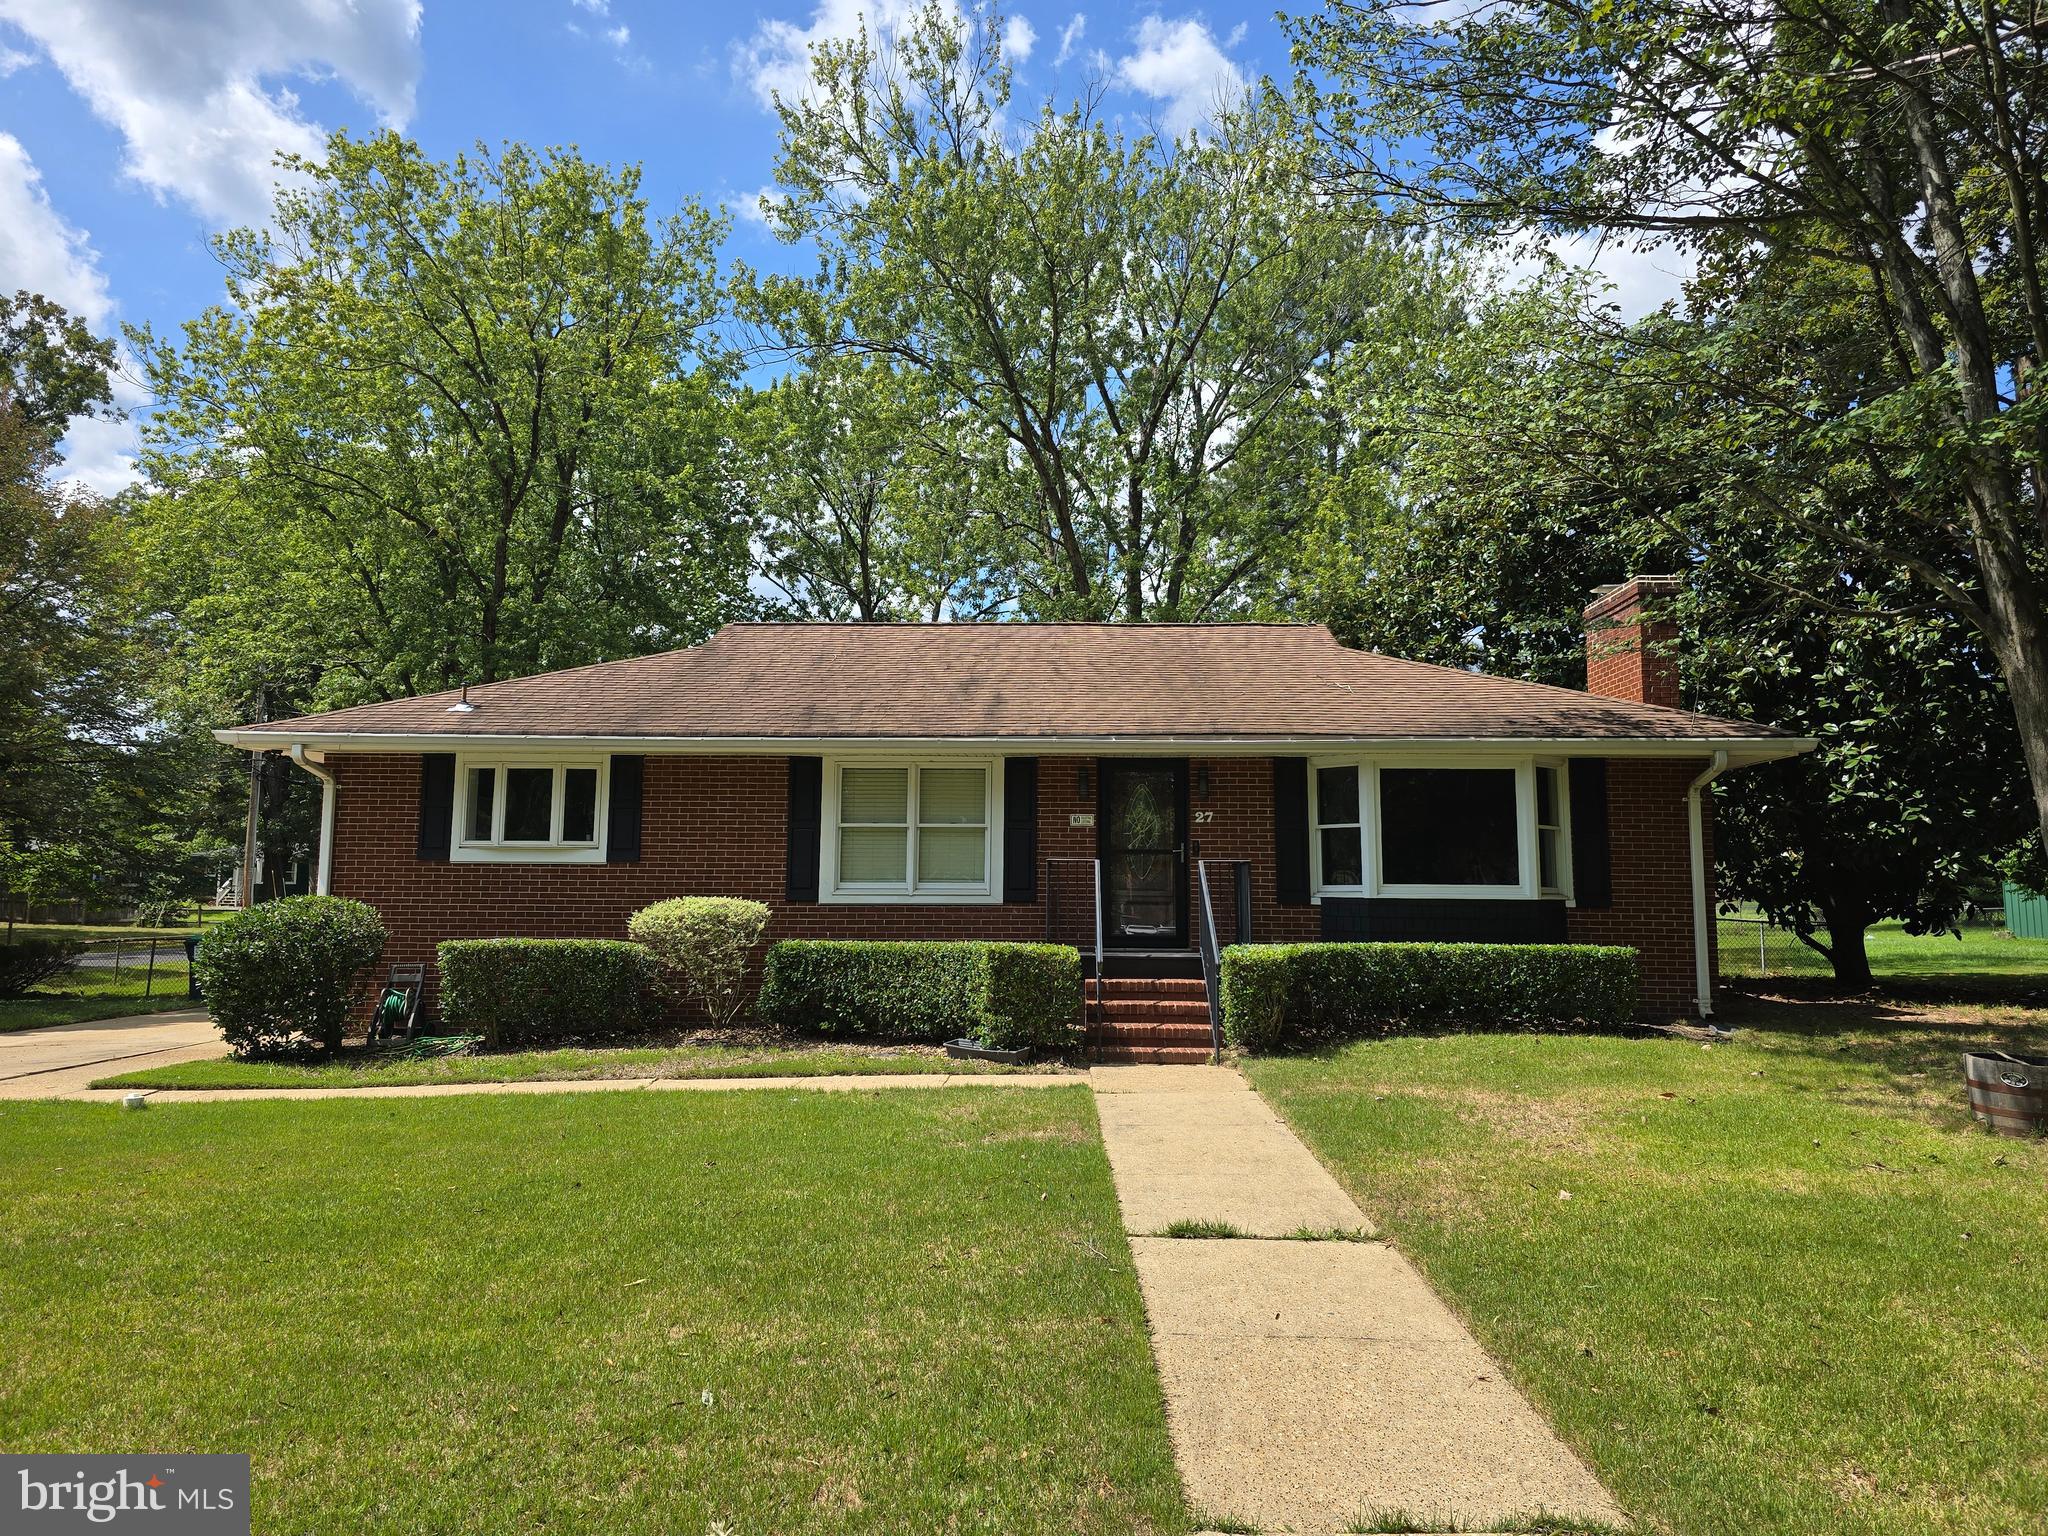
x: 909, y: 831
x: 1424, y: 828
x: 545, y: 810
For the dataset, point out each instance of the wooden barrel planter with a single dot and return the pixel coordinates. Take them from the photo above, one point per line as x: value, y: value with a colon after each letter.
x: 2008, y: 1093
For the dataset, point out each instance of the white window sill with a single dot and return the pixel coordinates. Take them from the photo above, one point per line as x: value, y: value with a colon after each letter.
x: 859, y: 898
x: 518, y: 853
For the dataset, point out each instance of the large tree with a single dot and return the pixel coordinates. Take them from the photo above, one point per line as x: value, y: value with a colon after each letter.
x: 456, y: 421
x: 1116, y: 331
x: 1900, y: 141
x: 1544, y: 459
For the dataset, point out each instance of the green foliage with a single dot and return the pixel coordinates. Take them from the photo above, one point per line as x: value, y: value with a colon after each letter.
x: 284, y: 977
x: 1005, y: 996
x: 27, y: 963
x: 1277, y: 996
x: 456, y: 422
x: 1122, y: 337
x: 523, y: 992
x: 702, y: 944
x: 1856, y: 186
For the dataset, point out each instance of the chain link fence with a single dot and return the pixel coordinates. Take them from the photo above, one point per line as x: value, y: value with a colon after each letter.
x: 141, y: 968
x: 1753, y: 949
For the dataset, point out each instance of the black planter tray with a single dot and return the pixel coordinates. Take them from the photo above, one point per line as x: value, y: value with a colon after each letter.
x: 967, y: 1050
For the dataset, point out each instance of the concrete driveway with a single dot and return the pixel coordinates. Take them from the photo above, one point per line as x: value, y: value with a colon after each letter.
x: 41, y: 1063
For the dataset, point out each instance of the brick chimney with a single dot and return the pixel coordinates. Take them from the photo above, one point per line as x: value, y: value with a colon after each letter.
x: 1630, y: 650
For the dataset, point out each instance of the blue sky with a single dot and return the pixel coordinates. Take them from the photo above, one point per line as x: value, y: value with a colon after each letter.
x: 132, y: 129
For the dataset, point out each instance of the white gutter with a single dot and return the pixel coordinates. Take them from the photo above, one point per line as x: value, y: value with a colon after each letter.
x: 1702, y: 958
x: 316, y: 767
x: 1745, y: 749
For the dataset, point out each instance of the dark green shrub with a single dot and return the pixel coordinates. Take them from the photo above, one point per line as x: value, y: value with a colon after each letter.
x: 283, y: 978
x: 26, y: 963
x: 520, y: 992
x: 1007, y: 996
x: 1278, y: 995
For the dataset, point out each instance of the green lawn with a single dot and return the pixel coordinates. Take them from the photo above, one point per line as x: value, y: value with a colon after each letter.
x: 1781, y: 1285
x: 1984, y: 950
x: 207, y: 918
x: 367, y: 1069
x: 761, y: 1312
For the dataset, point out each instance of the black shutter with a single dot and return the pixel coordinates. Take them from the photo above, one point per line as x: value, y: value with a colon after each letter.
x: 1290, y: 830
x: 622, y: 815
x: 437, y: 804
x: 806, y: 785
x: 1020, y: 830
x: 1592, y: 863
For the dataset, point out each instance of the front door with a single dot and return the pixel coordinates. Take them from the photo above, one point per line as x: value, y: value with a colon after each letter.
x: 1143, y: 843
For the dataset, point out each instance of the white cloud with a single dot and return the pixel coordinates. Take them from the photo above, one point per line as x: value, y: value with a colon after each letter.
x: 776, y: 59
x: 1070, y: 34
x: 194, y: 88
x: 12, y: 59
x: 619, y: 36
x: 1182, y: 64
x: 43, y: 252
x: 1636, y: 281
x: 1019, y: 38
x: 595, y: 7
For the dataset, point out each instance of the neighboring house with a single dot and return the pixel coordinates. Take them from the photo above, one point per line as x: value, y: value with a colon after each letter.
x: 961, y: 781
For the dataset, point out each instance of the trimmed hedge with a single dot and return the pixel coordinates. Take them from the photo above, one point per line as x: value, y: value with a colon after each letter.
x: 1005, y: 996
x: 520, y: 992
x: 1280, y: 995
x: 282, y: 978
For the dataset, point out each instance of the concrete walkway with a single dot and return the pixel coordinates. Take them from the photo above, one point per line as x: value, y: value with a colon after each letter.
x: 1309, y: 1384
x: 61, y: 1060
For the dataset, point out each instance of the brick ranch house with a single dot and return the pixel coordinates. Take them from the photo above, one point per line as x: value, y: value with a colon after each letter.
x: 977, y: 781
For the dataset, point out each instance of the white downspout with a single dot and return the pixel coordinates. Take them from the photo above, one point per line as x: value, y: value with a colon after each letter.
x: 325, y: 873
x: 1702, y: 957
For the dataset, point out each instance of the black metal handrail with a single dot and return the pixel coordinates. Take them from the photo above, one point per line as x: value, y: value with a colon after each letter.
x: 1212, y: 964
x: 1052, y: 900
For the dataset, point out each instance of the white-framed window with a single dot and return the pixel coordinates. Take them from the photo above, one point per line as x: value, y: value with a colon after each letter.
x: 905, y: 829
x: 1439, y: 825
x: 541, y: 809
x: 1553, y: 829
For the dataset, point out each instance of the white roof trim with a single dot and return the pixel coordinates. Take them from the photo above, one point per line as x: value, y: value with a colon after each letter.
x: 1740, y: 749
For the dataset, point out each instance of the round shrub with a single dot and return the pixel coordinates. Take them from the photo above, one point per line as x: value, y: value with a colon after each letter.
x: 283, y: 978
x: 703, y: 944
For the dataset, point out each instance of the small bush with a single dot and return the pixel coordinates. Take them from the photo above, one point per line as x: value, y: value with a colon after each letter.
x: 283, y: 978
x: 702, y: 944
x: 1278, y: 995
x: 27, y: 963
x: 521, y: 992
x: 1005, y: 996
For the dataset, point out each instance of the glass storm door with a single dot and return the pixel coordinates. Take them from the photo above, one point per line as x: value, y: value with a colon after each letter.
x: 1144, y: 848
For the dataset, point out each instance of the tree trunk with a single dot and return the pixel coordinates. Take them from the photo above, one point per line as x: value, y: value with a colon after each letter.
x: 1847, y: 954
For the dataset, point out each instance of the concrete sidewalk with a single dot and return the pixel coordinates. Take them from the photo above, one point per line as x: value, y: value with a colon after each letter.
x: 63, y: 1059
x: 1309, y: 1384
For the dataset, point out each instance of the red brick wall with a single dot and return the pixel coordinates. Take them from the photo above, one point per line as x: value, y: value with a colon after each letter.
x: 715, y: 826
x: 1652, y: 908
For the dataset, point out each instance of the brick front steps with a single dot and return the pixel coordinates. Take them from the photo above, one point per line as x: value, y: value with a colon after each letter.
x: 1158, y: 1019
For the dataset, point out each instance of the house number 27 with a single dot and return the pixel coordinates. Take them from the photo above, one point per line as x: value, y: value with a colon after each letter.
x: 1202, y: 817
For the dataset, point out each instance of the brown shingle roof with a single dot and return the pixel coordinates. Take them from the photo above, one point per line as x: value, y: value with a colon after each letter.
x: 1023, y: 681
